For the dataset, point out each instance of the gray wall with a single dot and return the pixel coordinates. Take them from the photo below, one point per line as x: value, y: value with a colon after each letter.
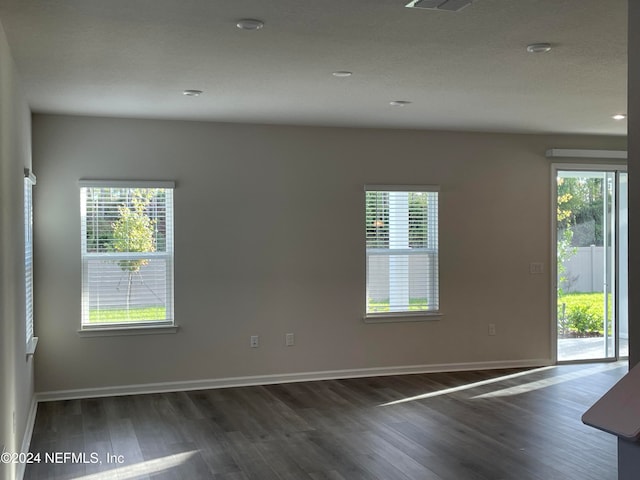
x: 269, y: 238
x: 16, y: 370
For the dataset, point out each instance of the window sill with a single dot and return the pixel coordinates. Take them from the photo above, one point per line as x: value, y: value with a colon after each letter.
x: 118, y: 331
x: 31, y: 347
x: 398, y: 317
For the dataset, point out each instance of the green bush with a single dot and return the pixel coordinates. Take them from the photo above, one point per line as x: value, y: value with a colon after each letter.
x: 583, y: 313
x: 582, y: 320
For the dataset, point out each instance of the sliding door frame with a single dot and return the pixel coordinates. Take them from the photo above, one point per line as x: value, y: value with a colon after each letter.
x: 582, y: 167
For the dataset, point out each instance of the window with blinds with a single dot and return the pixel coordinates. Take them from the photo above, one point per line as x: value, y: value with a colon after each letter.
x: 29, y: 182
x: 127, y: 254
x: 402, y: 250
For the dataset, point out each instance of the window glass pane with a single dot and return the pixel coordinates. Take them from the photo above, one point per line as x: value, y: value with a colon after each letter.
x: 127, y: 290
x: 28, y: 257
x: 126, y: 219
x: 402, y: 251
x: 127, y: 255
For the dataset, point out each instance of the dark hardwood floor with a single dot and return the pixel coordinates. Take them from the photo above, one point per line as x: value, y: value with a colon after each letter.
x: 499, y: 425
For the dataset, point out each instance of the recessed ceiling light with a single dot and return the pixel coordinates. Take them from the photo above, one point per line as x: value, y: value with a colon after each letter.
x: 538, y: 47
x: 399, y: 103
x: 192, y: 93
x: 342, y: 74
x: 249, y: 24
x: 619, y: 116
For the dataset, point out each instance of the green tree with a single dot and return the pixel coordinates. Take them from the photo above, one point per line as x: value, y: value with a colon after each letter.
x: 565, y: 249
x: 585, y: 205
x: 134, y: 232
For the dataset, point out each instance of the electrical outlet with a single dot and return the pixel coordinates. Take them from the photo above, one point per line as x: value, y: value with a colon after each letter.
x: 255, y: 341
x: 492, y: 329
x: 289, y: 339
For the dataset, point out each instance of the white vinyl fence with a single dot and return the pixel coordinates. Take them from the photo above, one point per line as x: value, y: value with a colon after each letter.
x: 110, y: 287
x: 585, y: 270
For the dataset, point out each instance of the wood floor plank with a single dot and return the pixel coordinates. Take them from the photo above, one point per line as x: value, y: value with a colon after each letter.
x: 328, y: 475
x: 276, y: 454
x: 97, y: 439
x: 249, y: 459
x: 514, y: 424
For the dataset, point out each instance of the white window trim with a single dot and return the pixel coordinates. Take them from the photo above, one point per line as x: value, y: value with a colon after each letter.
x: 127, y: 183
x: 407, y: 316
x: 395, y: 317
x: 30, y: 338
x: 402, y: 188
x: 137, y: 328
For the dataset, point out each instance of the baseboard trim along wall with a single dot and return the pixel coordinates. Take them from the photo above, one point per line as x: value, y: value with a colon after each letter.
x: 26, y: 439
x: 281, y: 378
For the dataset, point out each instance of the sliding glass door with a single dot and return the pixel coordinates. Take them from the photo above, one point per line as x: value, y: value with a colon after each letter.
x: 623, y: 265
x: 591, y: 252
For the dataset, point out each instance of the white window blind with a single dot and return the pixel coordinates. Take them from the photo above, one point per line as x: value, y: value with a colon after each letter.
x: 402, y: 249
x: 127, y: 253
x: 29, y: 181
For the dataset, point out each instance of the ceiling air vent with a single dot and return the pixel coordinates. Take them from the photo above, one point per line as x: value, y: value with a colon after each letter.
x: 448, y: 5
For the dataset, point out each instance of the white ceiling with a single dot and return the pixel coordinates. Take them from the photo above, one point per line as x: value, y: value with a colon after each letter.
x: 466, y: 71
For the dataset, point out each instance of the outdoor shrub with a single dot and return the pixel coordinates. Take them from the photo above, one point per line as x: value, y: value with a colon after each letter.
x: 563, y: 322
x: 582, y: 319
x: 588, y: 307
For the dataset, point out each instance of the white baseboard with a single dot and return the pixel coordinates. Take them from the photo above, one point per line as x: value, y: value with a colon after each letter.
x: 282, y: 378
x: 26, y: 439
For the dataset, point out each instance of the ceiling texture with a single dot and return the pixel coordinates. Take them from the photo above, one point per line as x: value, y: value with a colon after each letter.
x: 466, y: 70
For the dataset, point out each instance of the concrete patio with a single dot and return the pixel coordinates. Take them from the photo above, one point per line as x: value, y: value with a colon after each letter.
x: 570, y: 349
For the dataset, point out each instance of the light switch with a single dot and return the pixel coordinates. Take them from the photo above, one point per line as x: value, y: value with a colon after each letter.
x: 536, y: 268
